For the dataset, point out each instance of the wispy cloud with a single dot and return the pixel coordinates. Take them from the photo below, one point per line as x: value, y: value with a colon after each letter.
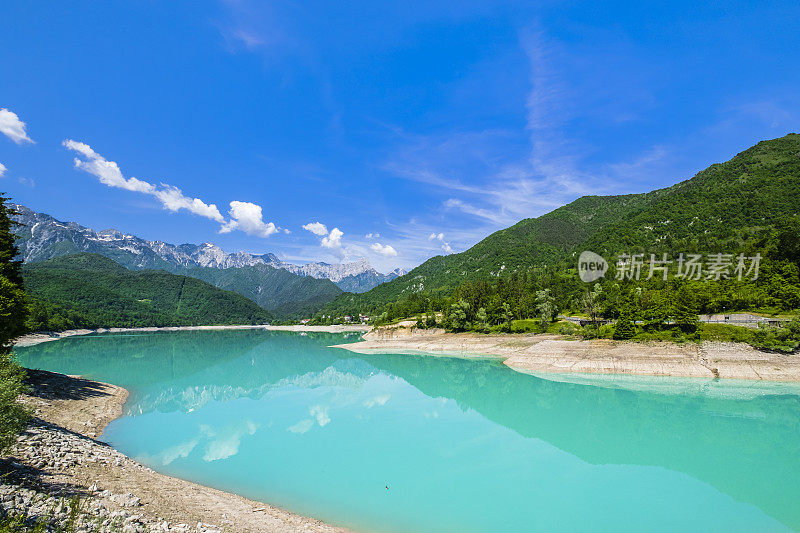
x: 3, y: 170
x: 257, y: 27
x: 641, y: 166
x: 249, y: 39
x: 498, y: 177
x: 12, y: 127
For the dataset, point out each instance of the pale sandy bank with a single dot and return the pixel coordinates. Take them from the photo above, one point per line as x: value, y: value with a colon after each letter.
x: 554, y: 354
x: 59, y: 454
x: 37, y: 338
x: 344, y: 328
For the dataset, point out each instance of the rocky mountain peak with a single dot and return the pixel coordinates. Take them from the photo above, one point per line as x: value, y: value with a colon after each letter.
x: 43, y: 237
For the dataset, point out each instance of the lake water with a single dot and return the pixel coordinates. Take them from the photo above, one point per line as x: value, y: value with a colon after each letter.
x: 398, y: 443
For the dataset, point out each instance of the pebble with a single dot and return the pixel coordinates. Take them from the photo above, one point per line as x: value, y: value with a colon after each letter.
x: 54, y: 450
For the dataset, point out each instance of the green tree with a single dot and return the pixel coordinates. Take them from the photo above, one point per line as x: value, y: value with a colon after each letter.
x: 506, y: 316
x: 481, y: 320
x: 459, y: 316
x: 624, y: 329
x: 685, y: 310
x: 430, y: 319
x: 591, y: 303
x: 13, y: 313
x: 545, y: 307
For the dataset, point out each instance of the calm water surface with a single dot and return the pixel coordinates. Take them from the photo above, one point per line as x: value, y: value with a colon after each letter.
x: 395, y: 443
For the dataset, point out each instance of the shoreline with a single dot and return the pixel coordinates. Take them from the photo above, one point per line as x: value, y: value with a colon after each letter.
x: 543, y: 353
x: 59, y: 457
x: 32, y: 339
x: 534, y: 353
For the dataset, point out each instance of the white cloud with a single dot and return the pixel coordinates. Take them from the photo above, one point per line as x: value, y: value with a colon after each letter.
x: 109, y: 173
x: 27, y: 181
x: 440, y: 236
x: 317, y: 228
x: 3, y: 170
x: 12, y: 127
x: 334, y: 240
x: 384, y: 250
x: 247, y: 217
x: 173, y: 200
x: 372, y: 236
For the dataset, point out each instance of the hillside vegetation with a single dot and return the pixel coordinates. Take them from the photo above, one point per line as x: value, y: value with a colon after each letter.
x: 284, y: 294
x: 746, y: 205
x: 91, y: 291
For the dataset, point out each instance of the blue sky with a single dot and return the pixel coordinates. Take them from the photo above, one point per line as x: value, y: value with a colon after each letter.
x: 413, y: 128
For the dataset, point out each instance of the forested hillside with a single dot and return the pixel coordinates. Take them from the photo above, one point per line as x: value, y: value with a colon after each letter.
x: 746, y: 205
x: 284, y: 294
x: 91, y: 291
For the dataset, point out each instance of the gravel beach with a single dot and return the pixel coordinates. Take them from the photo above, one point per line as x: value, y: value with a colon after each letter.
x: 60, y: 473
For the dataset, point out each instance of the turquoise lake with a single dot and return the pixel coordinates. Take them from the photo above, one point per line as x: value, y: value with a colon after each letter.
x: 399, y: 443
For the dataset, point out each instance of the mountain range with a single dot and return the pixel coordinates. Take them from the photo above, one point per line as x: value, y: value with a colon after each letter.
x: 43, y: 237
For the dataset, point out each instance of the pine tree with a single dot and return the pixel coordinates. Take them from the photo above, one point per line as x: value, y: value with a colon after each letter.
x: 625, y: 329
x: 13, y: 313
x: 685, y: 310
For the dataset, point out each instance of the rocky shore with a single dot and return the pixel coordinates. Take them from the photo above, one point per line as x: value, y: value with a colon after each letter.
x: 61, y: 476
x: 532, y: 353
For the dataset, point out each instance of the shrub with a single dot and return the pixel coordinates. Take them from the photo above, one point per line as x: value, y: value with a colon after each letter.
x: 566, y: 328
x: 624, y: 329
x: 13, y: 416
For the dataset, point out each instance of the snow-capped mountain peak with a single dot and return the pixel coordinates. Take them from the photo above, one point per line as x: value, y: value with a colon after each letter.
x: 39, y: 233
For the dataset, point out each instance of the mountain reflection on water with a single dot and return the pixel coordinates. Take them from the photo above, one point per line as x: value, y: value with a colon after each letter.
x: 206, y: 393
